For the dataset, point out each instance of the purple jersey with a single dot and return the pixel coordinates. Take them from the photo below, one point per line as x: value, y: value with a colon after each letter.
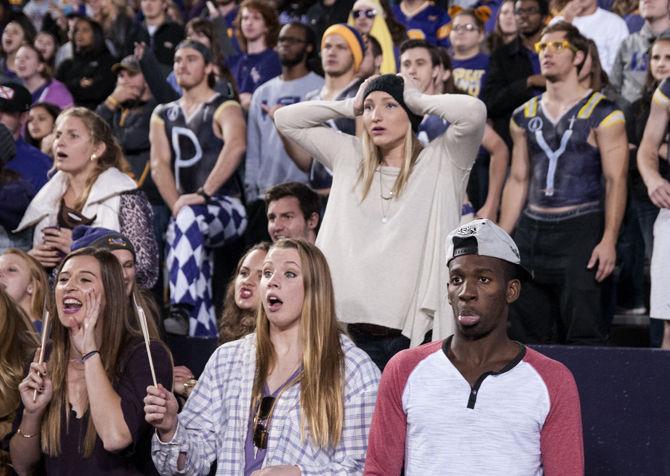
x: 252, y: 70
x: 429, y: 23
x: 470, y: 74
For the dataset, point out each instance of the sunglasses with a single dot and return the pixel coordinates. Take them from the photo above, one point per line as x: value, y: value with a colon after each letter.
x: 526, y: 11
x: 262, y: 422
x: 290, y: 40
x: 370, y: 14
x: 555, y: 46
x: 469, y: 27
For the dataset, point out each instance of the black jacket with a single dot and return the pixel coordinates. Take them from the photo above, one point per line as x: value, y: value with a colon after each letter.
x: 163, y: 43
x: 505, y: 88
x: 320, y: 16
x: 95, y: 71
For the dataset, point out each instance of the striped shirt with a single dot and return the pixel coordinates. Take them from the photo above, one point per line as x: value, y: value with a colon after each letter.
x: 214, y: 422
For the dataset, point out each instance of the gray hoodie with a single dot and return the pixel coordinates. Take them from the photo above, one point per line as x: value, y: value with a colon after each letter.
x: 629, y: 72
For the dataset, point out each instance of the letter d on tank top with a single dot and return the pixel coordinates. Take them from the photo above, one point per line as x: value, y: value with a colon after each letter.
x: 181, y: 163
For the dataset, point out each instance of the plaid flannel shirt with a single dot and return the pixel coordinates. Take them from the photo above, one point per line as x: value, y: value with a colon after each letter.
x: 213, y: 424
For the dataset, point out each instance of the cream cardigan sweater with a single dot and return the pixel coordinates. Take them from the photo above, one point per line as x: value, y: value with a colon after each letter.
x: 103, y: 202
x: 387, y: 257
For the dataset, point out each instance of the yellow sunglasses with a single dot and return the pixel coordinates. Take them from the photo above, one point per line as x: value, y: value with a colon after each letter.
x: 555, y: 46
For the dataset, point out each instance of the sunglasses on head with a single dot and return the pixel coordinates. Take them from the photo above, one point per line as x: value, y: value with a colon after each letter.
x: 262, y: 423
x: 370, y: 14
x: 553, y: 46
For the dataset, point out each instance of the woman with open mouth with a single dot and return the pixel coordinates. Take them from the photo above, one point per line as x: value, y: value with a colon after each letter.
x: 82, y: 408
x: 295, y: 397
x: 240, y: 307
x: 391, y: 203
x: 90, y: 187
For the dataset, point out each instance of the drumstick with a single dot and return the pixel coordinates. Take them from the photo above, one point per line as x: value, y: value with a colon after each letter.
x: 145, y: 331
x: 45, y: 332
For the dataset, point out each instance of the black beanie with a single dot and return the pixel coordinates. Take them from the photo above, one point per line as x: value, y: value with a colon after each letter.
x: 395, y: 86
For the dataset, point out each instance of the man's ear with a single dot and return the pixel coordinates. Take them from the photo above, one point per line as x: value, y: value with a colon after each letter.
x: 446, y: 74
x: 313, y: 221
x: 513, y: 290
x: 435, y: 73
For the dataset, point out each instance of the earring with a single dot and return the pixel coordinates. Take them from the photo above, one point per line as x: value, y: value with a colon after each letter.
x: 93, y: 157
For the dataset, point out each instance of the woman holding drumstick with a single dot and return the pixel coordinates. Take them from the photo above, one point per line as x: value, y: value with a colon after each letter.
x: 88, y: 412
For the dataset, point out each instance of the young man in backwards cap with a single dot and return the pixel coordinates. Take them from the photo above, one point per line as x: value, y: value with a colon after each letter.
x: 477, y: 402
x: 197, y: 143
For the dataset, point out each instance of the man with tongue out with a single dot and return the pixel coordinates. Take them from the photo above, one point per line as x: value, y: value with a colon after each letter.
x: 477, y: 402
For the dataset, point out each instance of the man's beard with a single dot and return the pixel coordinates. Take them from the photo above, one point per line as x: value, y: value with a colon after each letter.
x: 341, y: 72
x: 296, y: 60
x: 530, y: 34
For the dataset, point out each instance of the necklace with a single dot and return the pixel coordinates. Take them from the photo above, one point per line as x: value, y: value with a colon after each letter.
x: 384, y: 205
x: 381, y: 188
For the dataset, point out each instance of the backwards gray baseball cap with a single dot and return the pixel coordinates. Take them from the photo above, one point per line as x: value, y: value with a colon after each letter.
x: 484, y: 238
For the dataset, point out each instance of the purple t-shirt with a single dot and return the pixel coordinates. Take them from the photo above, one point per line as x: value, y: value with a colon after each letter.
x: 252, y: 70
x: 253, y: 456
x: 470, y: 74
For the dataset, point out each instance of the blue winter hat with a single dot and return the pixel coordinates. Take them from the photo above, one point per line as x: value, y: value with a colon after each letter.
x: 98, y: 237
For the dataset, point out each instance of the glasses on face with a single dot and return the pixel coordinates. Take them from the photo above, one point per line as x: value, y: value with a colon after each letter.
x: 261, y: 422
x: 290, y: 40
x: 469, y: 27
x: 555, y: 46
x: 370, y: 14
x: 526, y: 11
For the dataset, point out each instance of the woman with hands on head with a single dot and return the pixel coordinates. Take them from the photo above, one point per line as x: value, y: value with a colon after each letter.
x: 405, y: 199
x: 82, y: 408
x: 294, y: 398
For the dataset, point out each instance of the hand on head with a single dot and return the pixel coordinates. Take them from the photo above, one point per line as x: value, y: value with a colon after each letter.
x: 358, y: 100
x: 410, y: 92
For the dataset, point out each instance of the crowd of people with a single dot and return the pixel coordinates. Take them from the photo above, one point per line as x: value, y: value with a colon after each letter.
x: 415, y: 188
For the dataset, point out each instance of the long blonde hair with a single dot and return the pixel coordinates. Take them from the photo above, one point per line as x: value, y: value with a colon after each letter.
x: 18, y: 342
x: 118, y: 332
x: 372, y: 159
x: 38, y: 279
x: 101, y: 133
x: 322, y: 379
